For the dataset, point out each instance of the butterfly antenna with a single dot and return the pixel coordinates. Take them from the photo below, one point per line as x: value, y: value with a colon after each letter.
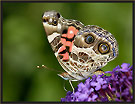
x: 43, y: 66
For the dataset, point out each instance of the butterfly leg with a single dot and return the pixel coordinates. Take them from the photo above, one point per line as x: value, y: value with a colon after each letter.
x: 79, y: 81
x: 64, y: 86
x: 71, y: 85
x: 66, y: 76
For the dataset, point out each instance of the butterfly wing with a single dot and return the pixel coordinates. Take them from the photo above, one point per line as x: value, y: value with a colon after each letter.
x: 61, y: 33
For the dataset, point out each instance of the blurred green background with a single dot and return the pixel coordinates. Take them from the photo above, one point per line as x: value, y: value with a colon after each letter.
x: 25, y: 45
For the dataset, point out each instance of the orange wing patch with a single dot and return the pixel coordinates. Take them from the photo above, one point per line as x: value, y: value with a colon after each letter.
x: 67, y: 41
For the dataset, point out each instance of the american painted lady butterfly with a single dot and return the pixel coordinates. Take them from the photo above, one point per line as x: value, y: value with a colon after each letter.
x: 81, y: 50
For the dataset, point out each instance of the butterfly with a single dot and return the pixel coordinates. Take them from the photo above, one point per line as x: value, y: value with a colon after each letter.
x: 80, y: 50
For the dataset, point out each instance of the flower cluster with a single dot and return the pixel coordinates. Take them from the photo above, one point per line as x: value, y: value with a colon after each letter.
x: 116, y: 87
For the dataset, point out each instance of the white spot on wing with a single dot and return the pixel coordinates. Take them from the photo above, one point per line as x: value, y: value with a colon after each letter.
x: 59, y: 26
x: 56, y: 53
x: 51, y: 37
x: 71, y: 32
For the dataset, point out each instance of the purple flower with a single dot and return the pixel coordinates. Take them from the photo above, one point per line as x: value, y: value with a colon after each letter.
x: 116, y: 87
